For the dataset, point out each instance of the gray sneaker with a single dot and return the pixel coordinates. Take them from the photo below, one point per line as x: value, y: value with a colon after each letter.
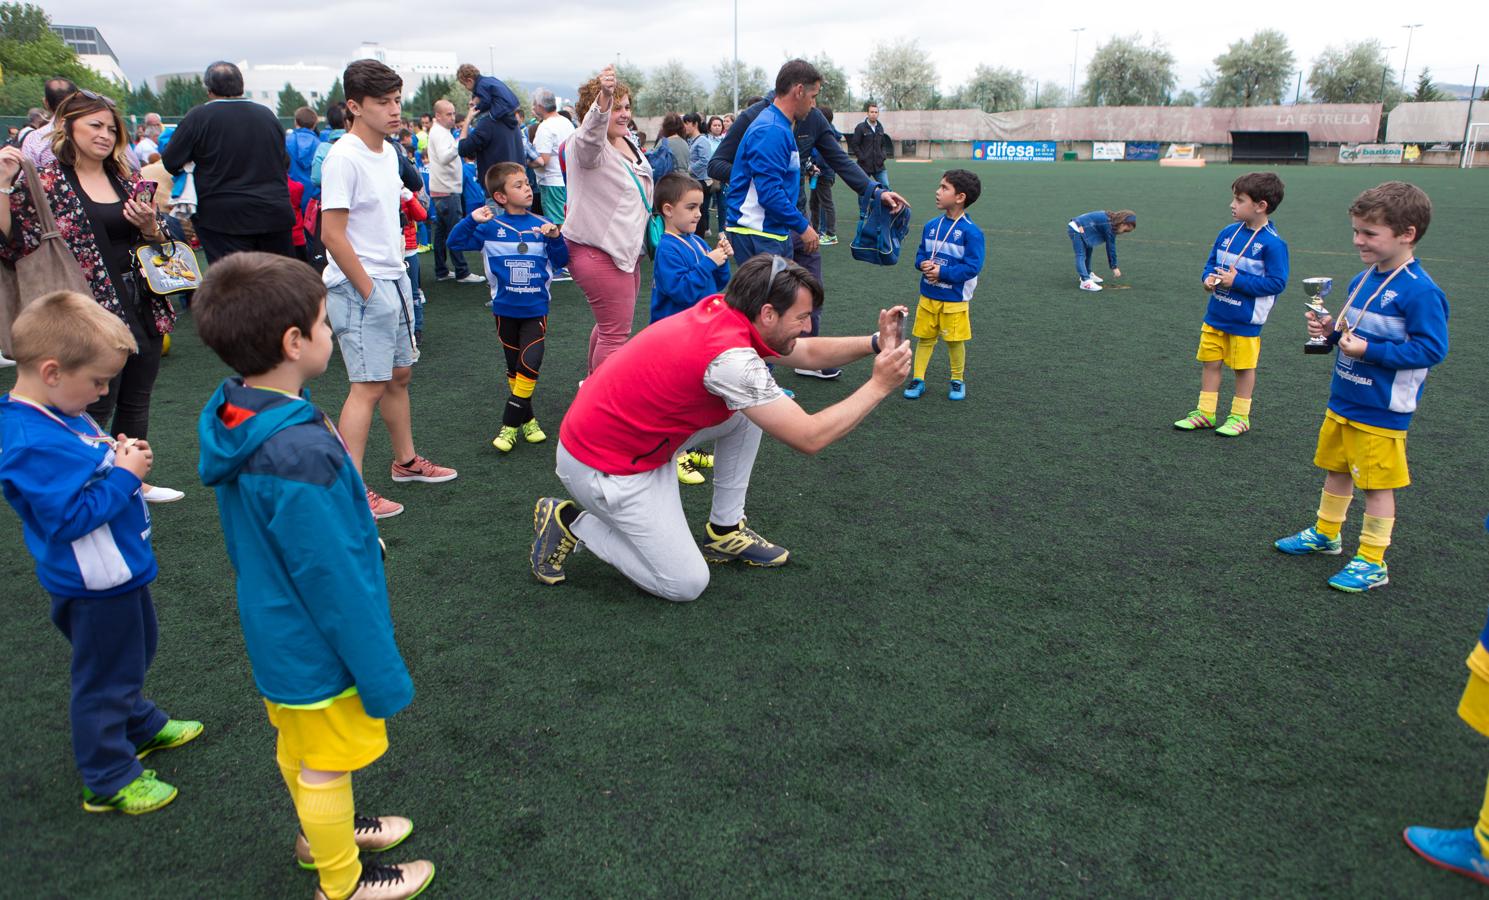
x: 472, y: 278
x: 552, y: 542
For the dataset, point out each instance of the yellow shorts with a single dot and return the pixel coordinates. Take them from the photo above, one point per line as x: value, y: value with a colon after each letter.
x: 942, y: 318
x: 1474, y: 707
x: 1375, y: 461
x: 336, y: 738
x: 1234, y: 350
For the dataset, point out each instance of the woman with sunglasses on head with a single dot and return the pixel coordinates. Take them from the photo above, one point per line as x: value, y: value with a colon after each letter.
x: 93, y: 194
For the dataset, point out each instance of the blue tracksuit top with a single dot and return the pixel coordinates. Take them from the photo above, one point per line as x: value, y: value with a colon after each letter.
x: 959, y: 249
x: 312, y: 596
x: 82, y: 517
x: 765, y: 182
x: 1099, y: 230
x: 1260, y: 277
x: 520, y: 277
x: 1406, y: 330
x: 683, y: 274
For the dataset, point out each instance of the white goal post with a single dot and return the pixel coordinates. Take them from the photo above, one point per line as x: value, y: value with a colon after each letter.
x: 1478, y: 133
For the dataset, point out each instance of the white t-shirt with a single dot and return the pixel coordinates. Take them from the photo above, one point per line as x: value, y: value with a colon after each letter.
x: 553, y: 131
x: 741, y: 379
x: 144, y: 148
x: 366, y: 184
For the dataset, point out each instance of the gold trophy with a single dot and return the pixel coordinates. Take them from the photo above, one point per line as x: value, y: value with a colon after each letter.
x: 1317, y: 289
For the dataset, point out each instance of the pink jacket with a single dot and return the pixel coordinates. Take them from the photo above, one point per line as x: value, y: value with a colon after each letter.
x: 605, y: 208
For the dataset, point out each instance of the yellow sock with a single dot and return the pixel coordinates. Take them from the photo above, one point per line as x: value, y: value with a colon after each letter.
x: 1375, y: 537
x: 326, y: 814
x: 290, y: 770
x: 1209, y: 401
x: 1332, y: 508
x: 1481, y: 831
x: 957, y: 350
x: 1240, y: 407
x: 522, y: 386
x: 923, y: 351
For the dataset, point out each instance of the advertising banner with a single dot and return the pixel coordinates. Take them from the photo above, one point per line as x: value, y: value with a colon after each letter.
x: 1014, y: 151
x: 1108, y: 150
x: 1183, y: 151
x: 1371, y: 153
x: 1142, y: 149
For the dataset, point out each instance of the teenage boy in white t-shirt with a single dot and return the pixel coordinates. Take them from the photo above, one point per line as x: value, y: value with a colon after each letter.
x: 368, y: 299
x: 552, y: 131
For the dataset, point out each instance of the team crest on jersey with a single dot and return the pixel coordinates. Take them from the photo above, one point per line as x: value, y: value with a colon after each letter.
x: 1386, y: 298
x: 1256, y: 249
x: 501, y: 232
x: 957, y: 234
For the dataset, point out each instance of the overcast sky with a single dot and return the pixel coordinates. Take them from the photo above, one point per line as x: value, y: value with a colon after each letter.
x: 560, y: 46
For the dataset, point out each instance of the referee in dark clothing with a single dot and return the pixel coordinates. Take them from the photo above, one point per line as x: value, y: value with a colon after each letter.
x: 242, y: 191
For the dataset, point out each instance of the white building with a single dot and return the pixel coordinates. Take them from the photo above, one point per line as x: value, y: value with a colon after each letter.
x: 92, y: 50
x: 413, y: 66
x: 262, y: 83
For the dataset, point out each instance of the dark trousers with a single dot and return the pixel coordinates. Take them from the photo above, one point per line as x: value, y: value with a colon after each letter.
x: 824, y: 210
x: 113, y: 643
x: 720, y: 200
x: 812, y: 262
x: 446, y: 214
x: 128, y: 399
x: 217, y: 244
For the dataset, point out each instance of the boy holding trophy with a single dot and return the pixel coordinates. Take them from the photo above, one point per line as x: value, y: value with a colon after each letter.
x: 1391, y: 331
x: 1246, y: 271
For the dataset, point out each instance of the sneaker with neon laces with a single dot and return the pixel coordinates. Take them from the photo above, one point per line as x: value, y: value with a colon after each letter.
x: 532, y: 433
x: 421, y: 469
x: 400, y: 882
x: 1197, y: 420
x: 1359, y: 575
x: 1307, y: 541
x: 829, y: 240
x: 700, y: 459
x: 958, y: 390
x: 1456, y: 850
x: 145, y: 794
x: 687, y: 472
x: 505, y: 439
x: 743, y: 544
x: 915, y: 389
x: 382, y: 507
x: 374, y: 834
x: 1234, y: 426
x: 552, y: 540
x: 175, y: 733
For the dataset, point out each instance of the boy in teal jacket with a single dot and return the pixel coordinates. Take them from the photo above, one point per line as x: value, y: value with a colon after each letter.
x: 312, y: 598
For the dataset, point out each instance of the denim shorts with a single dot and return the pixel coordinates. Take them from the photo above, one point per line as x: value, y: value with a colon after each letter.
x: 375, y: 335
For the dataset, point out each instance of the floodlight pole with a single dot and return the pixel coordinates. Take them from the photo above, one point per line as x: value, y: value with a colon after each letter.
x: 736, y: 56
x: 1410, y: 30
x: 1074, y: 60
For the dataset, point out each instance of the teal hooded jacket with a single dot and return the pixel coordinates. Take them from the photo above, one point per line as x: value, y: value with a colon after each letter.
x: 312, y: 597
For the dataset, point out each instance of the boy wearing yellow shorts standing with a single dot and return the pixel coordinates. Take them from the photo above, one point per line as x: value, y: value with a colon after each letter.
x: 312, y: 596
x: 1392, y: 330
x: 1245, y: 272
x: 949, y: 259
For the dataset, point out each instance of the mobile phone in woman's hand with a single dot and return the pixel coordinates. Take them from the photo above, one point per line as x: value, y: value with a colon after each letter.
x: 144, y: 192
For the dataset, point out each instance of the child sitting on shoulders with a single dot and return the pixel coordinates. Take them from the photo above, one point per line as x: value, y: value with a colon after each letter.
x: 949, y: 258
x: 311, y: 591
x: 1098, y: 227
x: 77, y: 491
x: 521, y: 252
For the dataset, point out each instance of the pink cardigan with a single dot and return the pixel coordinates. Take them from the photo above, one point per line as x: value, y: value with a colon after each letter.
x: 605, y: 210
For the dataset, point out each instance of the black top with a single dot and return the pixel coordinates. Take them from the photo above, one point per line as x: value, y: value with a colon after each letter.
x: 242, y: 166
x: 116, y: 237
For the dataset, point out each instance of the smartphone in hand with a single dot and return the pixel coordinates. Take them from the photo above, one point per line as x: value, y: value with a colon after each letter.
x: 145, y: 192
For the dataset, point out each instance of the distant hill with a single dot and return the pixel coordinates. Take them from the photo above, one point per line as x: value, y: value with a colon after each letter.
x: 1459, y: 91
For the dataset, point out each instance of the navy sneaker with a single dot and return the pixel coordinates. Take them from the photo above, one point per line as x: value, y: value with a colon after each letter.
x: 552, y: 542
x: 1456, y: 850
x: 743, y: 544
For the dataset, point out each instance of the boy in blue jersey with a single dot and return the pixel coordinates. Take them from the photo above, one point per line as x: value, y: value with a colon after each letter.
x: 686, y: 271
x: 1391, y: 331
x: 949, y: 259
x: 312, y: 596
x: 1246, y: 271
x: 77, y: 492
x: 521, y: 252
x: 765, y: 182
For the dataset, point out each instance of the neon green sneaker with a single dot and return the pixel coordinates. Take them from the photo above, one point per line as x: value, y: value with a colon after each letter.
x: 532, y: 433
x: 1195, y: 421
x: 699, y: 459
x: 1234, y: 426
x: 175, y: 733
x: 143, y: 795
x: 687, y: 471
x: 505, y: 439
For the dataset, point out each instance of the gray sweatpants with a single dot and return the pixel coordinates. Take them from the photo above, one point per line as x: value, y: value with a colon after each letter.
x: 636, y: 522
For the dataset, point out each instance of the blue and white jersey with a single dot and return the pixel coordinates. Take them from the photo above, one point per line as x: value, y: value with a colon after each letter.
x: 765, y: 183
x: 84, y: 519
x: 1406, y: 333
x: 956, y: 245
x: 519, y: 261
x: 1261, y: 263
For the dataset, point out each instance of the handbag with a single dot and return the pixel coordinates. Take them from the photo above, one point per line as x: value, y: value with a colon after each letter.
x: 655, y: 227
x: 50, y: 267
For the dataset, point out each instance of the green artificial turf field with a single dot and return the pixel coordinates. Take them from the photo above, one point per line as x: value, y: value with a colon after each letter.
x: 1033, y: 643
